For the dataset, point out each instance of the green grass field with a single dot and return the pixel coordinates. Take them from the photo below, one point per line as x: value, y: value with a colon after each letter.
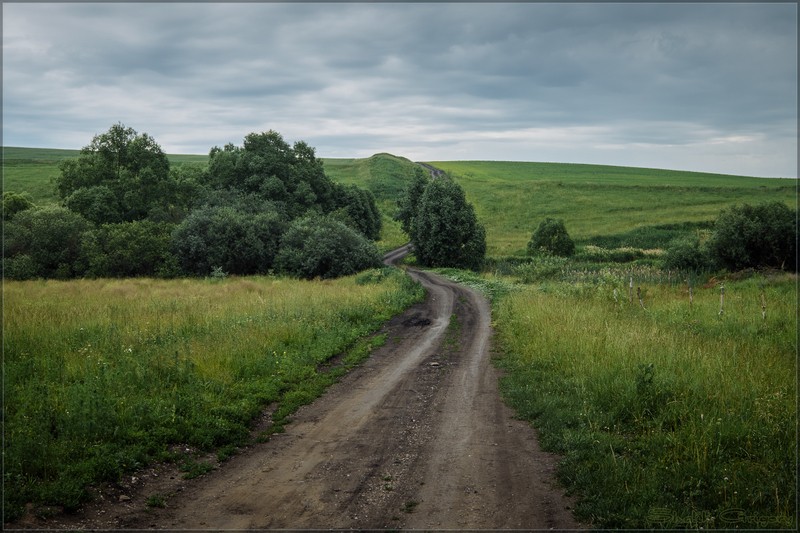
x: 668, y: 414
x: 598, y: 201
x: 105, y: 376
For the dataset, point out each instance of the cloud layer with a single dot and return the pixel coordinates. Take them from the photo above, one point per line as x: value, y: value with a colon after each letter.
x: 709, y: 87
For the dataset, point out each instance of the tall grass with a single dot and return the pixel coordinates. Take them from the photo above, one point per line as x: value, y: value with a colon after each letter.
x: 670, y: 415
x: 102, y: 376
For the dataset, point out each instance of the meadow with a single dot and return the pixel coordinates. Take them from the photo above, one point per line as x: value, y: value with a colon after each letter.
x: 105, y: 376
x: 667, y: 413
x: 601, y: 202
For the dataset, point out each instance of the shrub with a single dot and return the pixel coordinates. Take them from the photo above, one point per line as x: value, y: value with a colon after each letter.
x: 50, y: 237
x: 687, y: 254
x: 755, y: 236
x: 551, y: 237
x: 97, y: 204
x: 236, y: 241
x: 139, y: 248
x: 14, y: 203
x: 326, y: 248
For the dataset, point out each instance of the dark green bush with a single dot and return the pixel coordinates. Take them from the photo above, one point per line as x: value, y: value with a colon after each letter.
x: 551, y: 237
x: 50, y: 237
x: 236, y: 241
x: 687, y: 254
x: 139, y: 248
x: 326, y: 248
x: 13, y: 203
x: 749, y: 236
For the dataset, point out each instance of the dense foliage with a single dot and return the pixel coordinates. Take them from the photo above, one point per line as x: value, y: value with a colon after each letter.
x: 551, y: 237
x: 119, y: 176
x: 442, y: 225
x: 749, y: 236
x: 126, y: 212
x: 325, y: 248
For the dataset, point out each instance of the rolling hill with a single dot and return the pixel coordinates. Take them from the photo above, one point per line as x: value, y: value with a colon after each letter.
x: 604, y: 205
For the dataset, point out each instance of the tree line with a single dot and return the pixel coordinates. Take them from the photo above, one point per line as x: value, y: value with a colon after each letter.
x: 265, y: 206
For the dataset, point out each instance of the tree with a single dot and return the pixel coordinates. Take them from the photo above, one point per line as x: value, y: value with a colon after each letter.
x: 445, y: 230
x: 357, y: 209
x: 326, y: 248
x: 290, y: 176
x: 132, y: 167
x: 408, y: 203
x: 749, y: 236
x: 51, y: 239
x: 551, y: 237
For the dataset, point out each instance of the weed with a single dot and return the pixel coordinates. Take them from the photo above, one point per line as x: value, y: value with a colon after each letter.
x: 410, y: 506
x: 156, y: 500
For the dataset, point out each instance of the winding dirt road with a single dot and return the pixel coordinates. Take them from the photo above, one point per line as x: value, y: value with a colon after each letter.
x: 417, y: 437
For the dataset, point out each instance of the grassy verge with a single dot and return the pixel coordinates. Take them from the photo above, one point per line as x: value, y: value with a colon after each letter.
x: 104, y: 376
x: 670, y: 414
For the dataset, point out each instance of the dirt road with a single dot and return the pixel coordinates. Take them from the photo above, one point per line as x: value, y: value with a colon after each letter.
x: 415, y: 438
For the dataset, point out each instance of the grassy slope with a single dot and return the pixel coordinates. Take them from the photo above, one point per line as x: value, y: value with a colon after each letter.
x: 511, y: 198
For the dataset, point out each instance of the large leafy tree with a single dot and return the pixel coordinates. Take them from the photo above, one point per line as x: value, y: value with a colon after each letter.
x: 445, y: 231
x: 290, y: 176
x: 119, y: 176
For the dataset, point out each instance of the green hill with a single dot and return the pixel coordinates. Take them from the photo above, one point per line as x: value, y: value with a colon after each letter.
x: 604, y: 205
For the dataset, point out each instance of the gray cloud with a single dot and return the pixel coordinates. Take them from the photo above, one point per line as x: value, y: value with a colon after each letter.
x: 699, y: 86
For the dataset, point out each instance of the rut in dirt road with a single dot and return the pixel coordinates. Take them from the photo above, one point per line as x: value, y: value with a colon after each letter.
x: 415, y: 438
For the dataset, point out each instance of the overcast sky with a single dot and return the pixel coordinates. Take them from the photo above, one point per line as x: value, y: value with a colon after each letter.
x: 709, y: 87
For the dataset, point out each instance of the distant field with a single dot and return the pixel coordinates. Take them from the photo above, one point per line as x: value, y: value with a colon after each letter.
x: 595, y: 201
x: 600, y: 204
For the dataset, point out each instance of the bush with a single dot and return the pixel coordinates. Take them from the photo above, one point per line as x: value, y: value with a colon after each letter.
x: 97, y: 204
x: 50, y: 237
x: 14, y: 203
x: 687, y: 254
x: 20, y: 267
x: 236, y: 241
x: 755, y: 236
x: 326, y: 248
x: 551, y: 237
x: 140, y: 248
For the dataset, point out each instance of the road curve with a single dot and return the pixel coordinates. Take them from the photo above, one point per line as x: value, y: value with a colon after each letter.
x: 414, y: 438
